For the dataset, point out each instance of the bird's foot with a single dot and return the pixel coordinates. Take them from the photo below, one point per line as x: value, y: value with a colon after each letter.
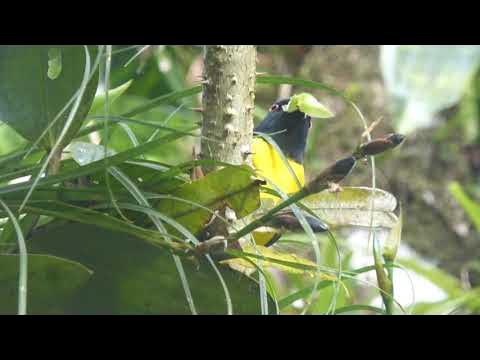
x: 334, y: 187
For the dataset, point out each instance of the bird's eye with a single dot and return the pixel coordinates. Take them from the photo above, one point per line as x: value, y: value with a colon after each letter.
x: 275, y: 107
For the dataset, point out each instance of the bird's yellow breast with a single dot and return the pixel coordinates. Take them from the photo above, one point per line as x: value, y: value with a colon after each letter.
x: 269, y: 164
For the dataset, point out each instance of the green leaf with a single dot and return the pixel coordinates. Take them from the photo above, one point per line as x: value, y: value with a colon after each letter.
x: 67, y: 194
x: 133, y: 277
x: 13, y: 158
x: 351, y: 308
x: 54, y: 63
x: 232, y: 186
x: 15, y: 174
x: 8, y: 238
x: 36, y: 86
x: 170, y: 97
x: 307, y: 104
x: 245, y: 266
x: 142, y: 172
x: 98, y: 103
x: 279, y: 80
x: 351, y: 207
x: 302, y: 294
x: 471, y: 208
x: 84, y: 215
x: 11, y: 142
x: 52, y: 282
x: 392, y: 243
x: 94, y: 166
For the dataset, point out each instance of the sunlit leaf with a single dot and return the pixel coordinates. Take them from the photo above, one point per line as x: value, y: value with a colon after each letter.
x: 231, y: 186
x: 244, y: 266
x: 54, y: 63
x: 113, y: 94
x: 309, y: 105
x: 392, y: 242
x: 352, y: 207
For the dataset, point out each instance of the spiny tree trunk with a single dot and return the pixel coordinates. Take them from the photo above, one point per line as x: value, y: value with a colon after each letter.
x: 228, y: 98
x: 228, y: 103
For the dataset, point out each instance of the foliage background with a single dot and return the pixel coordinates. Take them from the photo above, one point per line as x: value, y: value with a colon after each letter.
x: 440, y: 243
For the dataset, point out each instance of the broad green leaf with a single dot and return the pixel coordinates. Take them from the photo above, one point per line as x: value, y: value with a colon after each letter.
x: 231, y: 186
x: 351, y: 207
x: 133, y: 277
x: 472, y: 209
x: 307, y: 104
x: 52, y: 282
x: 244, y: 266
x: 35, y: 87
x: 113, y: 94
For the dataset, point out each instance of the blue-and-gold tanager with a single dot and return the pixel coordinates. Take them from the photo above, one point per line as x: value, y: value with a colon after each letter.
x: 288, y: 126
x: 279, y: 159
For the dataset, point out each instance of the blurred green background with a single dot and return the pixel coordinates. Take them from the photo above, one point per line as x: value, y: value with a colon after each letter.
x: 429, y: 93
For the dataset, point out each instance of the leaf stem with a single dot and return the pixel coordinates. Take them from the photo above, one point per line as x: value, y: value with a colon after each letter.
x: 23, y: 272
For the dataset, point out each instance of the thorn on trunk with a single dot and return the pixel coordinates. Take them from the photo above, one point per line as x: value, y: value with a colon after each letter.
x: 197, y: 172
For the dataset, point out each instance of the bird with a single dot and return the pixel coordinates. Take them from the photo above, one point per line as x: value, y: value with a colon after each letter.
x: 289, y: 131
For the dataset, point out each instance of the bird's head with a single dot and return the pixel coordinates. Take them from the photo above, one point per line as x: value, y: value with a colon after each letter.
x: 288, y: 122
